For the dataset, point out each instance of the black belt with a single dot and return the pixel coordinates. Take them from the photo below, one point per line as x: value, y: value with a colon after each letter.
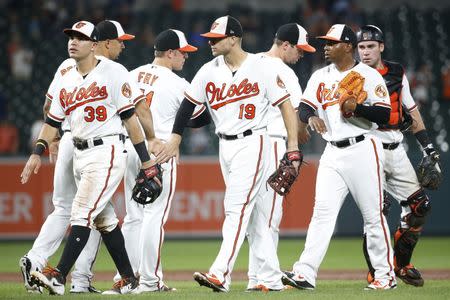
x: 235, y: 136
x: 66, y: 130
x: 348, y: 142
x: 83, y: 144
x: 390, y: 146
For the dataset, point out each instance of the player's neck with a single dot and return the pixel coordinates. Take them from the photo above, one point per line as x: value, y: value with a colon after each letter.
x: 162, y: 62
x: 86, y: 65
x: 274, y: 52
x: 235, y: 58
x: 345, y: 63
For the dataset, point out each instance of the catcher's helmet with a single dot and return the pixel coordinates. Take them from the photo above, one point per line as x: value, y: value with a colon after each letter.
x: 370, y: 33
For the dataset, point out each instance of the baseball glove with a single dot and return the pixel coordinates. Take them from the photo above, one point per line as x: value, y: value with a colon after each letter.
x: 148, y: 185
x: 350, y: 92
x: 429, y: 171
x: 284, y: 177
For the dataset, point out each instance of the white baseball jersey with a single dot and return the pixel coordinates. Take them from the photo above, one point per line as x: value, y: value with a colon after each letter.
x: 238, y: 102
x: 276, y: 125
x: 63, y: 68
x: 163, y: 90
x: 320, y: 94
x: 396, y: 136
x: 92, y: 103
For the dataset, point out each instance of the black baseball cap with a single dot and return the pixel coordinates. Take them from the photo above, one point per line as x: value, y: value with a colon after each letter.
x: 85, y: 28
x: 174, y: 40
x: 112, y: 30
x: 340, y: 33
x: 223, y: 27
x: 296, y: 35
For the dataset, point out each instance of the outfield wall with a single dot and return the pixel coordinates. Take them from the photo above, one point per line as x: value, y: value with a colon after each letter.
x: 197, y: 209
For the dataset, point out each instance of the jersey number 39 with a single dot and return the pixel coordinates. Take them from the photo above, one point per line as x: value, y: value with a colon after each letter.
x: 98, y: 113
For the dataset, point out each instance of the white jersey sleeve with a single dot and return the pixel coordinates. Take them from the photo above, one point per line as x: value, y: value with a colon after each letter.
x: 406, y: 97
x: 63, y: 68
x: 374, y: 85
x: 195, y: 92
x: 309, y: 96
x: 276, y: 90
x: 122, y: 93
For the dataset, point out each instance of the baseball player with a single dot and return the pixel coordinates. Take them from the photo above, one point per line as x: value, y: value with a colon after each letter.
x: 162, y: 91
x: 401, y: 180
x: 351, y: 162
x: 237, y: 90
x: 290, y: 43
x: 55, y: 226
x: 94, y: 96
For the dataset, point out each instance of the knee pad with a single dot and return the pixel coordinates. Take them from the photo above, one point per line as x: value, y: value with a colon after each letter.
x: 405, y: 241
x: 420, y: 206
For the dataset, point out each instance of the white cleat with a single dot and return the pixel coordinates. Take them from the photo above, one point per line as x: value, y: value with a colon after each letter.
x: 25, y: 268
x: 123, y: 286
x: 380, y: 285
x: 51, y: 279
x: 143, y: 288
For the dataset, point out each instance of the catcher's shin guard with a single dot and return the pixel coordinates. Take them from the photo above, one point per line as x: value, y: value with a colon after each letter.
x: 371, y: 273
x: 405, y: 241
x: 420, y: 206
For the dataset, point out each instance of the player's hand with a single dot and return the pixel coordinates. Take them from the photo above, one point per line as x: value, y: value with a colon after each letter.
x: 303, y: 136
x: 53, y: 151
x: 170, y: 149
x: 155, y: 146
x: 317, y: 124
x: 33, y: 165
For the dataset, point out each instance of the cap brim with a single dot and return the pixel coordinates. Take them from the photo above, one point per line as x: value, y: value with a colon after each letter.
x: 307, y: 48
x: 188, y: 48
x: 329, y: 38
x: 126, y: 37
x: 213, y: 35
x: 68, y: 31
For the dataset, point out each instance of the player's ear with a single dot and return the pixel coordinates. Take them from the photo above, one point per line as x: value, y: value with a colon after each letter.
x: 381, y: 47
x: 94, y: 45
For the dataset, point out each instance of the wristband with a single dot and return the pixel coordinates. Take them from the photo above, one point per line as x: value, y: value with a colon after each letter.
x: 423, y: 138
x: 142, y: 152
x: 40, y: 147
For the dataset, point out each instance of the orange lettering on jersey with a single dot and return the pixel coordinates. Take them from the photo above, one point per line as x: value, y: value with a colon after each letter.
x: 326, y: 96
x: 222, y: 96
x: 147, y: 78
x: 71, y: 100
x: 64, y: 71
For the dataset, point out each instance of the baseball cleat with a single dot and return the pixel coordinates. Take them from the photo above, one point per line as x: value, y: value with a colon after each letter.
x: 370, y: 277
x: 380, y: 285
x: 84, y: 290
x: 25, y: 268
x: 143, y: 288
x: 123, y: 286
x: 410, y: 275
x: 210, y: 281
x: 296, y: 280
x: 263, y: 288
x: 51, y: 279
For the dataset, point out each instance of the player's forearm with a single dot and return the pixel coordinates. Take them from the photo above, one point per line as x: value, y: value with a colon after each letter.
x: 417, y: 124
x: 46, y: 107
x: 291, y: 123
x: 145, y: 118
x: 133, y: 129
x: 46, y: 136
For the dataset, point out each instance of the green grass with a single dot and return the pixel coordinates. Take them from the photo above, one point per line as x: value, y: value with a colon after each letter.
x: 431, y: 253
x: 327, y: 289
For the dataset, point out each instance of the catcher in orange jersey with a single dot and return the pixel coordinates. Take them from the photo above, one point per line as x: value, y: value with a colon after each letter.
x: 352, y: 160
x: 401, y: 180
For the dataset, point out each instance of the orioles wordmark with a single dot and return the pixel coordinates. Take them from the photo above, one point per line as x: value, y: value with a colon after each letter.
x: 223, y: 95
x: 83, y: 95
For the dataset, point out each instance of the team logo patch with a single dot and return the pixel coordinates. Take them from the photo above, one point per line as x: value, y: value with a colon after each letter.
x: 380, y: 91
x: 280, y: 82
x: 79, y: 25
x: 365, y: 36
x: 214, y: 25
x: 126, y: 90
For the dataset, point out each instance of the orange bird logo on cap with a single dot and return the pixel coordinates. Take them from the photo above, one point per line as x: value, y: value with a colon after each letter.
x: 79, y: 25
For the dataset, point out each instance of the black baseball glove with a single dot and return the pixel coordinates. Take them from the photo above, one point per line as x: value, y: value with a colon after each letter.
x: 429, y: 171
x: 148, y: 185
x: 284, y: 177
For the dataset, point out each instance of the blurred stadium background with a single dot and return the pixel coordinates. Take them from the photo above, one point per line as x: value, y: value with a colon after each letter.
x: 33, y: 46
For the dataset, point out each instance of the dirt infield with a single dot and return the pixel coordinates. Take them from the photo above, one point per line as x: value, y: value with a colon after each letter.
x: 242, y: 275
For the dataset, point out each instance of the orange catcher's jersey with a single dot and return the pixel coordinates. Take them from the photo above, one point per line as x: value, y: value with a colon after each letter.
x: 92, y: 104
x: 320, y: 94
x: 276, y: 125
x: 163, y: 90
x: 238, y: 101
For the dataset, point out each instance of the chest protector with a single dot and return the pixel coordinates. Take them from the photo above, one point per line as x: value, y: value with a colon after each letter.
x: 393, y: 76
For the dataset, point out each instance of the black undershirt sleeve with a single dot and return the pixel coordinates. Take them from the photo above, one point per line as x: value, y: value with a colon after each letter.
x: 183, y: 115
x: 201, y: 120
x: 126, y: 114
x: 305, y: 112
x: 376, y: 114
